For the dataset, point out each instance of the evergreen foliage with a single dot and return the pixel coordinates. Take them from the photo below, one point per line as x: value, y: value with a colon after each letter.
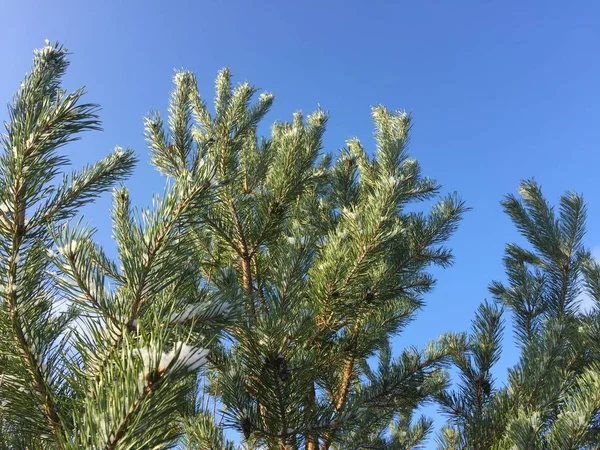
x: 89, y: 357
x: 328, y: 262
x: 261, y: 291
x: 552, y: 397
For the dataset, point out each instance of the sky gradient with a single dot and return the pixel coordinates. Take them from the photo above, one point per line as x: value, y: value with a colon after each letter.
x: 499, y: 92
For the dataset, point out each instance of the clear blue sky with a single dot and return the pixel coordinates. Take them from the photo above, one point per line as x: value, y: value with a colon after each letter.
x: 499, y: 91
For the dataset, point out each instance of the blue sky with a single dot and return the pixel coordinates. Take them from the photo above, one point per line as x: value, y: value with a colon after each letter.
x: 499, y: 91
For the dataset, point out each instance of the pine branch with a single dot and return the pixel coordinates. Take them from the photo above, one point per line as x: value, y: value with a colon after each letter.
x: 42, y: 119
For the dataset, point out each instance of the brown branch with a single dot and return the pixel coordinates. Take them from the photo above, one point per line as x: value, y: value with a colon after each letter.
x: 126, y: 423
x: 27, y: 356
x: 38, y: 379
x: 247, y: 274
x: 245, y: 257
x: 312, y: 441
x: 259, y: 283
x: 344, y: 389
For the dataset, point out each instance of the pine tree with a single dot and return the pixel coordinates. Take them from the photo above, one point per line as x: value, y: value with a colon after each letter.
x: 323, y: 262
x: 262, y: 289
x: 552, y: 397
x: 94, y: 353
x: 286, y: 270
